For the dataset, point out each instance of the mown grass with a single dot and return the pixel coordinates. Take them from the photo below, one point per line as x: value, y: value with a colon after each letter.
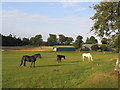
x: 71, y: 73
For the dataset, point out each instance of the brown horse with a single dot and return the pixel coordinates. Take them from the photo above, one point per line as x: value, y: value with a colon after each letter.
x: 31, y: 59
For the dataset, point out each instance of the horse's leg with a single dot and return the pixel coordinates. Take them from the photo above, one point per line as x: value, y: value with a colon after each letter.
x: 57, y: 60
x: 89, y: 59
x: 31, y: 64
x: 34, y: 64
x: 24, y: 63
x: 83, y: 58
x: 60, y: 59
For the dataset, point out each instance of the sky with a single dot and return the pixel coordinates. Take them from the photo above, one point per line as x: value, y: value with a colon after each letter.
x: 27, y: 19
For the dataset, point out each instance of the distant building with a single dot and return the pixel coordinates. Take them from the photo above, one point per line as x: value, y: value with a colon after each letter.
x: 86, y: 47
x: 64, y: 48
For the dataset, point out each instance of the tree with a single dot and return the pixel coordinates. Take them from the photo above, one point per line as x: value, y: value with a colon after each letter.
x: 104, y: 41
x: 115, y: 43
x: 87, y: 40
x: 68, y: 40
x: 92, y: 40
x: 52, y: 40
x: 103, y: 47
x: 32, y: 41
x: 25, y: 41
x: 94, y: 47
x: 107, y: 20
x: 61, y: 39
x: 78, y: 43
x: 37, y: 40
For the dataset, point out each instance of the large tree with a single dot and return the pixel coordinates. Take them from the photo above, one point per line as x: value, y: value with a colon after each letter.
x: 107, y: 21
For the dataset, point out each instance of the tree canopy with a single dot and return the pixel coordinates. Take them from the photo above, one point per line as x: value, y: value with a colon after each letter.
x: 91, y: 40
x: 106, y: 18
x: 107, y: 21
x: 61, y: 39
x: 78, y: 42
x: 52, y: 40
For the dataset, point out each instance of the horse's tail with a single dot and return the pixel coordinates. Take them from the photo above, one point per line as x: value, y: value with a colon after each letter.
x: 22, y: 60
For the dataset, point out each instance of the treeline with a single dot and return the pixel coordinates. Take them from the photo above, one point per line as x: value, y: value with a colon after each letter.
x: 52, y: 40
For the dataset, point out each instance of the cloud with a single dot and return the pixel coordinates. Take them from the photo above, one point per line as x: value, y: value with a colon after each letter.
x: 80, y: 9
x: 18, y: 16
x: 26, y: 24
x: 64, y: 4
x: 68, y: 4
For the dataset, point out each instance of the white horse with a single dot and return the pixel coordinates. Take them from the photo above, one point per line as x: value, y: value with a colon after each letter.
x: 116, y: 66
x: 88, y: 55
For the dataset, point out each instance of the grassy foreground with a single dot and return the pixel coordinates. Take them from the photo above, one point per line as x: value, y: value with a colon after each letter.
x: 71, y: 73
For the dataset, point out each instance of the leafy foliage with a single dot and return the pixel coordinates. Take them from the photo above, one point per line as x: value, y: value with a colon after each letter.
x: 61, y: 39
x: 78, y: 43
x: 52, y: 40
x: 104, y: 41
x: 37, y: 40
x: 103, y: 47
x: 68, y: 40
x: 106, y: 18
x: 92, y: 40
x: 94, y: 47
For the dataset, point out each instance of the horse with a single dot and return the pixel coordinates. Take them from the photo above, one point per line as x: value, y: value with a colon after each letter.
x: 31, y: 59
x: 88, y: 55
x: 59, y: 57
x: 116, y: 65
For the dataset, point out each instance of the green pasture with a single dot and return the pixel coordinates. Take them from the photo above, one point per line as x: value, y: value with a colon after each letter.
x: 71, y: 73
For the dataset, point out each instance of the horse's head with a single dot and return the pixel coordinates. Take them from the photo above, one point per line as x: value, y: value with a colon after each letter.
x: 38, y: 55
x: 64, y: 57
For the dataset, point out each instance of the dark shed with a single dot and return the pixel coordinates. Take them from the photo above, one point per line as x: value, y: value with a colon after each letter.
x: 64, y: 48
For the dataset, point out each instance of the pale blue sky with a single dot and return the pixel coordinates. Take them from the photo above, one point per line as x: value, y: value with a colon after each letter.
x: 26, y: 19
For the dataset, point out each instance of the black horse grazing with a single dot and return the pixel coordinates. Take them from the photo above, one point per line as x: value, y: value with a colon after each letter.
x: 31, y: 59
x: 59, y: 57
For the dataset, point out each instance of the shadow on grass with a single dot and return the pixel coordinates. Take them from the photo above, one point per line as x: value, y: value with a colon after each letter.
x: 74, y: 61
x: 52, y: 65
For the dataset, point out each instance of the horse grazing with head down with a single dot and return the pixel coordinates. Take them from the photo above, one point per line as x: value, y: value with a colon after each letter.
x: 31, y: 59
x: 59, y: 57
x: 88, y: 55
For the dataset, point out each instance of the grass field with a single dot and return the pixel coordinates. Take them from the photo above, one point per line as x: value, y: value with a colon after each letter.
x: 71, y: 73
x: 27, y: 48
